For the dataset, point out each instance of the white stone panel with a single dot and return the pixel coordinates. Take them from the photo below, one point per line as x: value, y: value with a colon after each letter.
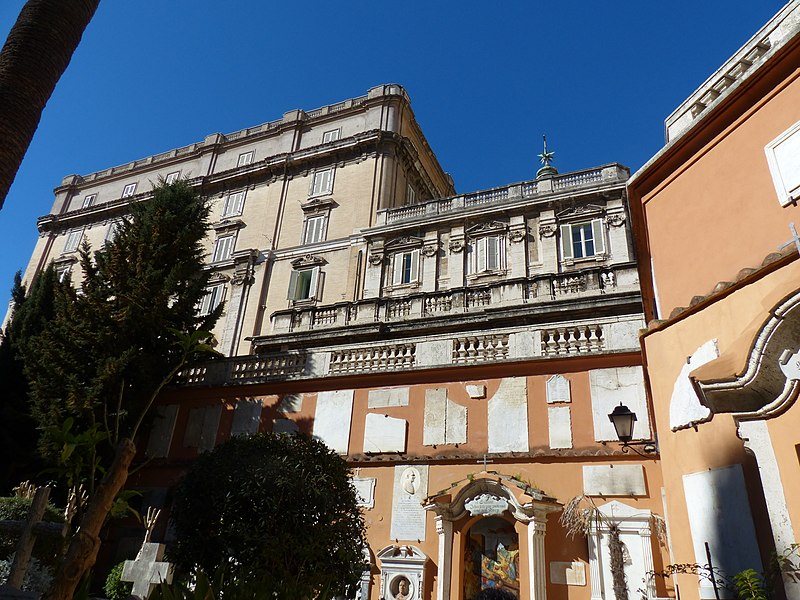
x: 437, y: 352
x: 608, y: 388
x: 161, y: 431
x: 386, y: 398
x: 384, y: 434
x: 568, y: 573
x: 317, y: 364
x: 365, y: 491
x: 558, y: 389
x: 623, y: 335
x: 246, y: 417
x: 410, y: 489
x: 434, y: 419
x: 508, y: 416
x: 614, y: 480
x: 201, y: 427
x: 332, y: 419
x: 560, y: 425
x: 522, y: 345
x: 476, y: 392
x: 719, y: 513
x: 685, y: 409
x: 455, y: 423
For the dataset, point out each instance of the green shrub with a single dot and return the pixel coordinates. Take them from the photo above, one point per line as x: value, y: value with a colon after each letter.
x: 115, y: 588
x: 47, y: 548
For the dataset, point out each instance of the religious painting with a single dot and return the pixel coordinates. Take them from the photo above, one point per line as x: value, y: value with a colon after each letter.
x: 491, y: 557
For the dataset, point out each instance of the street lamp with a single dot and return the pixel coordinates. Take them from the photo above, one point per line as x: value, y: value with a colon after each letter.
x: 623, y: 418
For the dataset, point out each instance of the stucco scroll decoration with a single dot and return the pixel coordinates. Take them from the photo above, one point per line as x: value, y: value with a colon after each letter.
x: 548, y: 230
x: 456, y: 246
x: 615, y: 220
x: 429, y: 250
x: 486, y: 505
x: 375, y: 258
x: 516, y: 235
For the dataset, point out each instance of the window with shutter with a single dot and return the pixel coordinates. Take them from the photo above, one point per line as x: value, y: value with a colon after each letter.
x: 245, y: 159
x: 304, y: 284
x: 223, y: 248
x: 487, y: 254
x: 89, y: 200
x: 129, y: 190
x: 405, y: 267
x: 322, y: 182
x: 73, y: 240
x: 783, y: 158
x: 172, y: 177
x: 582, y: 240
x: 330, y: 136
x: 314, y: 229
x: 211, y: 299
x: 234, y: 204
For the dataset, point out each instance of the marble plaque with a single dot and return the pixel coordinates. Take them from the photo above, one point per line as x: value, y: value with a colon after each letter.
x: 560, y: 426
x: 246, y: 417
x: 568, y: 573
x: 332, y: 419
x: 161, y: 431
x: 508, y: 416
x: 558, y: 389
x: 384, y: 434
x: 365, y: 491
x: 410, y: 489
x: 486, y: 505
x: 476, y: 392
x: 386, y: 398
x: 608, y: 388
x: 444, y: 421
x: 614, y: 480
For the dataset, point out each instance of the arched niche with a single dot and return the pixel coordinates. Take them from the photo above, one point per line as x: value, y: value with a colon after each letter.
x: 399, y: 563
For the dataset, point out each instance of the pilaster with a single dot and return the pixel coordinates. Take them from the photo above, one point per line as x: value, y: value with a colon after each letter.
x: 537, y: 528
x: 444, y: 529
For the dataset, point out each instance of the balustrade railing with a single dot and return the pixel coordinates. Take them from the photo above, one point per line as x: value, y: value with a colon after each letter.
x: 570, y: 340
x: 376, y: 358
x: 479, y: 348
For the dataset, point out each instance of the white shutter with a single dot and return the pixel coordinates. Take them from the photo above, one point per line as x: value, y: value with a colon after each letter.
x: 599, y: 238
x: 294, y: 281
x: 414, y: 266
x: 73, y: 240
x: 233, y: 204
x: 397, y: 269
x: 566, y: 242
x: 313, y: 287
x: 223, y: 248
x: 480, y: 256
x: 492, y: 253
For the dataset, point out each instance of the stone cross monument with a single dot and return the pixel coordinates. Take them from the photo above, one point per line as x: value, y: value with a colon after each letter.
x: 148, y: 570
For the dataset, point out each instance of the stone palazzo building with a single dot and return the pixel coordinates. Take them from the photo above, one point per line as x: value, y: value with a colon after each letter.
x: 461, y: 351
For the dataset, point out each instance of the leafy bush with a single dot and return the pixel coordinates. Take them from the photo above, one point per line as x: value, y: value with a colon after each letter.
x: 115, y: 588
x: 37, y: 577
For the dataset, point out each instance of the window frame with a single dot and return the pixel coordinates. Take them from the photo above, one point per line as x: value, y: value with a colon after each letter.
x: 568, y: 242
x: 780, y: 166
x: 332, y: 135
x: 411, y: 194
x: 245, y: 158
x: 406, y: 267
x: 88, y: 200
x: 172, y: 177
x: 322, y: 229
x: 314, y: 189
x: 218, y: 243
x: 73, y: 241
x: 129, y: 189
x: 482, y: 248
x: 297, y: 278
x: 238, y: 206
x: 213, y: 296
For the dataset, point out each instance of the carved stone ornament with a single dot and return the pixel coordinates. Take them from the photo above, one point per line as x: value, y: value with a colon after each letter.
x: 615, y: 220
x: 486, y: 505
x: 516, y: 235
x: 375, y: 259
x: 309, y: 260
x: 429, y: 250
x: 218, y: 277
x: 548, y: 230
x: 456, y: 246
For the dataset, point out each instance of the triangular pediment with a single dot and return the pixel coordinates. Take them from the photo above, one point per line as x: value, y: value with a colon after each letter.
x: 309, y: 260
x: 491, y: 227
x: 404, y: 242
x: 578, y: 212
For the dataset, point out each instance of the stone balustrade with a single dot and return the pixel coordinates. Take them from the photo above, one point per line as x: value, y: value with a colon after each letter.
x: 613, y: 173
x: 421, y: 305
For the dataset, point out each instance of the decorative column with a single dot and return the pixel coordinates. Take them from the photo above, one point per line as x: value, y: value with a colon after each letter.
x: 537, y: 527
x: 455, y: 262
x: 595, y: 539
x: 517, y: 262
x: 444, y: 530
x: 548, y: 242
x: 243, y: 277
x: 647, y: 556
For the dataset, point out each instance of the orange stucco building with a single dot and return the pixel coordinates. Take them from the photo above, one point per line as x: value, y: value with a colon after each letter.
x: 713, y: 213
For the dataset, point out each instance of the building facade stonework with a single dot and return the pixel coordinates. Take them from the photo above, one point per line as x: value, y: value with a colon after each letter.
x: 461, y: 351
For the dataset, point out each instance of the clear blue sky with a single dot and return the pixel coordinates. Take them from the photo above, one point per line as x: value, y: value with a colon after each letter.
x: 485, y: 80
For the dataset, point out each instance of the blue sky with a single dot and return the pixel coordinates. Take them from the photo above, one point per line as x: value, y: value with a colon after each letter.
x: 485, y: 80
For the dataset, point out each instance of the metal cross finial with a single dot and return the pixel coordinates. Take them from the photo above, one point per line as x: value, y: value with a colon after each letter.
x: 485, y: 461
x: 546, y: 157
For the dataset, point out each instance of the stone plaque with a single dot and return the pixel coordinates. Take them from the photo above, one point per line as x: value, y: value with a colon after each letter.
x: 365, y: 491
x: 486, y: 505
x: 246, y: 417
x: 608, y: 388
x: 558, y: 389
x: 559, y: 423
x: 410, y: 489
x: 508, y: 416
x: 332, y: 419
x: 161, y: 431
x: 568, y: 573
x: 384, y: 434
x: 614, y: 480
x: 386, y: 398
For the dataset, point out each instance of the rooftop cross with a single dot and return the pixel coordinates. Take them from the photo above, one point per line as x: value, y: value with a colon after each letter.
x: 546, y: 157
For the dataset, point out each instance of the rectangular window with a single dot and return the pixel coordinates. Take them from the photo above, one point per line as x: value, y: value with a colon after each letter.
x: 314, y: 229
x: 488, y: 254
x: 234, y: 204
x: 322, y: 183
x: 73, y: 240
x: 89, y: 200
x: 582, y: 240
x: 411, y: 195
x: 172, y: 177
x: 245, y: 159
x: 223, y: 248
x: 783, y: 158
x: 330, y: 136
x: 63, y: 272
x: 129, y: 190
x: 211, y: 299
x: 405, y: 267
x: 111, y: 232
x: 304, y: 284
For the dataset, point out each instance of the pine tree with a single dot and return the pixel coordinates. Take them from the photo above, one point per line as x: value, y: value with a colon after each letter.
x: 110, y: 347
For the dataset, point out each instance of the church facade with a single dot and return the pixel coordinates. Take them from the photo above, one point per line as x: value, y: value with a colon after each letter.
x: 462, y: 352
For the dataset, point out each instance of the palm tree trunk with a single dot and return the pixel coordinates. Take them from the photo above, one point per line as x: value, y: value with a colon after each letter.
x: 82, y: 552
x: 36, y: 53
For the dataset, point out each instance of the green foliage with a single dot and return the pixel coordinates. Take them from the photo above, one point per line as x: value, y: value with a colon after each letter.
x: 749, y: 585
x: 202, y: 589
x: 37, y: 577
x: 278, y: 511
x: 115, y: 588
x: 46, y: 549
x: 107, y: 351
